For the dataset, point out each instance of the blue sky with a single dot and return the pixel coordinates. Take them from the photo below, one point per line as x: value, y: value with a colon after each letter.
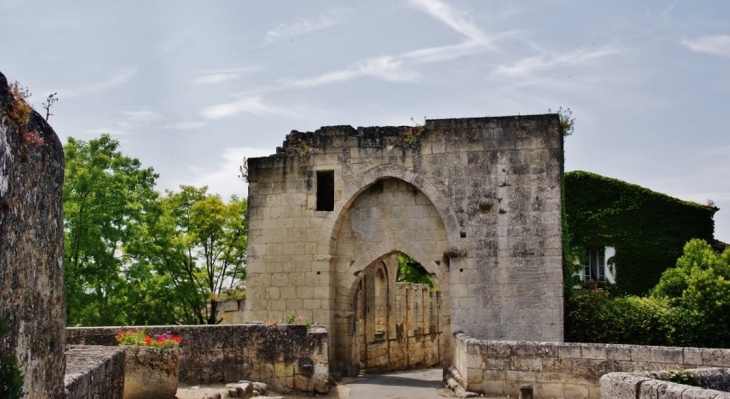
x: 191, y: 87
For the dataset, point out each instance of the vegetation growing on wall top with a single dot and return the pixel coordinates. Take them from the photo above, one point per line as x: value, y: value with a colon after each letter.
x: 648, y: 229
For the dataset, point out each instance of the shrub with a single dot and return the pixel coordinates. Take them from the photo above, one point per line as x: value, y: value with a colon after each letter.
x: 699, y: 289
x: 596, y: 316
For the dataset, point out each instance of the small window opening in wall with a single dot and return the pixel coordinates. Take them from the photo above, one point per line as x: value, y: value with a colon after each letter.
x: 326, y: 190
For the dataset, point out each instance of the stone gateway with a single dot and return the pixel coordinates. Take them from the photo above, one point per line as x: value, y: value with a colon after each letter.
x: 475, y: 201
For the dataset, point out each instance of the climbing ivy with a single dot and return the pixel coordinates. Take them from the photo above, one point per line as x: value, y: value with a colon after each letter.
x: 11, y: 378
x: 648, y: 229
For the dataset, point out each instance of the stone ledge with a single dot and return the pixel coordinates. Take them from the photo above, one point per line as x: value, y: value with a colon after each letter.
x: 94, y: 372
x: 642, y: 385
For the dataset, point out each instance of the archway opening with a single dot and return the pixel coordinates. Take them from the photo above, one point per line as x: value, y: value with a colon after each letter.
x: 387, y: 217
x: 397, y: 308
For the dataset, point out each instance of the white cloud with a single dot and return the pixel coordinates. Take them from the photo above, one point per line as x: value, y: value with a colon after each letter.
x: 252, y: 105
x: 442, y: 53
x: 306, y: 25
x: 394, y: 68
x: 715, y: 45
x: 384, y: 67
x: 224, y: 75
x: 98, y: 87
x: 216, y: 78
x: 457, y: 20
x: 186, y: 125
x: 530, y: 65
x: 223, y: 179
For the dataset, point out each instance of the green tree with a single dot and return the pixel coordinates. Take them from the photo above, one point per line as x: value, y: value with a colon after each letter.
x: 413, y: 272
x: 199, y: 245
x: 699, y: 290
x: 108, y: 199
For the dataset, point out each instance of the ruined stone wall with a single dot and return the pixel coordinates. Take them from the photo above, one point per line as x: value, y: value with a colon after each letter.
x: 230, y: 311
x: 482, y: 215
x: 287, y: 357
x: 415, y: 342
x: 565, y: 370
x: 32, y: 305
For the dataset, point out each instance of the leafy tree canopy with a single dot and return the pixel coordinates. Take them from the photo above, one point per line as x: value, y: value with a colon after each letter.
x: 699, y: 289
x: 135, y: 257
x: 413, y: 272
x: 107, y: 198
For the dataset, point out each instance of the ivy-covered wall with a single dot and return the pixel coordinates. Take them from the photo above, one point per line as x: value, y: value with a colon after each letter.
x: 648, y: 229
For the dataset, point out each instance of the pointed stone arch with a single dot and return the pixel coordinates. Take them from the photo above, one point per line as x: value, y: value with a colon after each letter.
x: 367, y: 178
x: 357, y: 255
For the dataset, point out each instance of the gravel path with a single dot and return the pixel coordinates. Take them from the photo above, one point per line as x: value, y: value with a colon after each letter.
x: 417, y: 384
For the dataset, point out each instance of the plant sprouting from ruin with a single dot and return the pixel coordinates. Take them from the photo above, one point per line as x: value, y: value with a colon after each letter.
x: 31, y: 137
x: 52, y: 99
x: 413, y: 133
x: 243, y: 169
x: 567, y: 122
x: 17, y: 111
x: 304, y: 150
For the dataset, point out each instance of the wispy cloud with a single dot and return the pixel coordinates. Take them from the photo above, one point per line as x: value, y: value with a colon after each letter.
x: 711, y: 44
x: 384, y: 67
x: 530, y: 65
x: 185, y: 125
x: 441, y: 53
x: 82, y: 91
x: 456, y: 19
x: 398, y: 68
x: 251, y: 105
x: 306, y: 25
x: 224, y: 75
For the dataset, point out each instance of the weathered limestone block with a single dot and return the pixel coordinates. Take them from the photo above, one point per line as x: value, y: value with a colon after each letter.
x: 151, y: 373
x: 94, y: 372
x: 32, y: 305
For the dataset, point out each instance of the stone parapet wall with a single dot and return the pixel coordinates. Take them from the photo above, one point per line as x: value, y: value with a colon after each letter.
x: 94, y: 371
x: 714, y: 384
x: 287, y: 357
x: 565, y: 370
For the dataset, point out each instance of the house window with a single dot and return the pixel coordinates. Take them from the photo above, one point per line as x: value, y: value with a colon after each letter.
x: 596, y: 268
x: 326, y: 190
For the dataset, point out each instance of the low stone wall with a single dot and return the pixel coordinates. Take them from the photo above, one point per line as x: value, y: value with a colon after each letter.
x: 287, y: 357
x: 714, y: 383
x: 94, y: 372
x: 565, y: 370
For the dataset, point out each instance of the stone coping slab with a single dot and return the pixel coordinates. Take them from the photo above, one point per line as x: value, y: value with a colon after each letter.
x: 94, y: 371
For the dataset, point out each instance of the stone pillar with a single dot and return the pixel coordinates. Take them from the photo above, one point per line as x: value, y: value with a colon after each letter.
x: 32, y: 303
